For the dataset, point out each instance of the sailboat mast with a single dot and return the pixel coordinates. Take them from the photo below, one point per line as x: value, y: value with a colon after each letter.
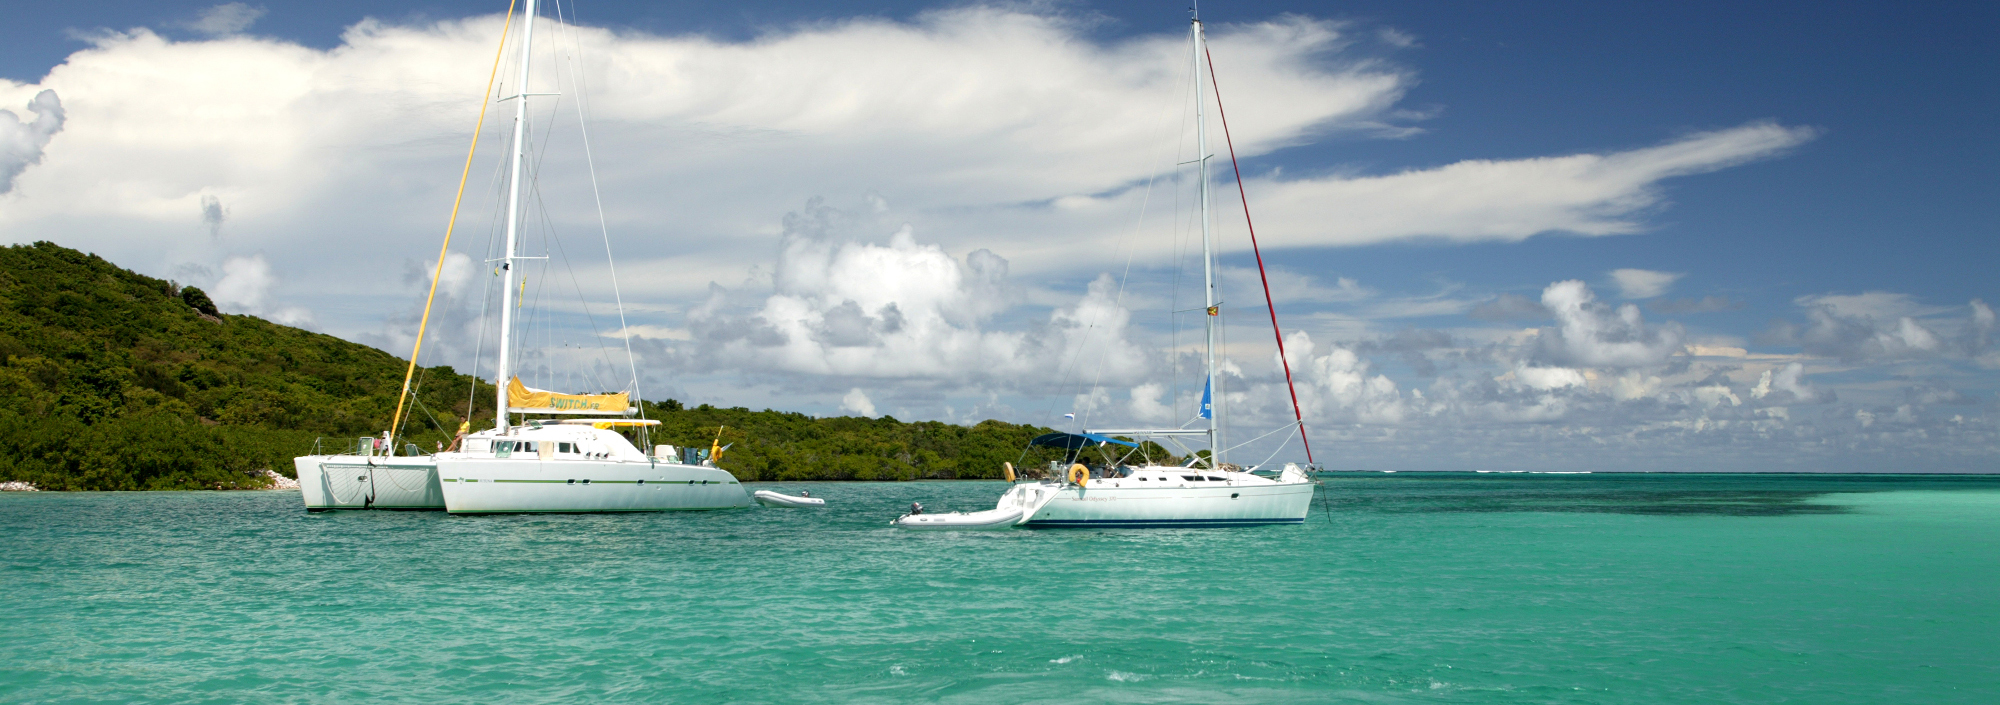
x: 1210, y: 313
x: 504, y: 372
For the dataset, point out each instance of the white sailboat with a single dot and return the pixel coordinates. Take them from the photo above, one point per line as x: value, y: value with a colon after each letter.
x: 1205, y: 492
x: 575, y: 465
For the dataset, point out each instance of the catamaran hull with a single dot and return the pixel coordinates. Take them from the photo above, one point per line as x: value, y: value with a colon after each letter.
x: 501, y: 486
x: 329, y: 482
x: 1157, y: 507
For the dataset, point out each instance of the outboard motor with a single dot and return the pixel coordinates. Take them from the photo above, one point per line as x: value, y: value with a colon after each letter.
x: 916, y: 508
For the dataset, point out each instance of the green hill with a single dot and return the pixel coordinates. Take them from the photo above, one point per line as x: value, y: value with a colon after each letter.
x: 113, y: 380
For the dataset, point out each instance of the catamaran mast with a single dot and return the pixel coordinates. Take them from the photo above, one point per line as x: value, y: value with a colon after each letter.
x: 504, y: 372
x: 1210, y: 395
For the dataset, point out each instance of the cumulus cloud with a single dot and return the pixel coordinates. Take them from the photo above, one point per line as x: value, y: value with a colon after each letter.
x: 1339, y: 384
x: 900, y: 310
x: 856, y: 402
x: 1884, y: 326
x: 1786, y: 385
x: 225, y: 19
x: 246, y: 286
x: 1643, y: 283
x: 1591, y: 333
x: 21, y: 142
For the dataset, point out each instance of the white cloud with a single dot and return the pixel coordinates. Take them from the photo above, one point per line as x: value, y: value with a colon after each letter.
x: 856, y: 402
x: 1786, y: 385
x: 21, y: 143
x: 901, y: 310
x: 1546, y: 378
x: 246, y: 286
x: 1593, y: 334
x: 225, y: 19
x: 1643, y: 283
x: 1483, y: 200
x: 1885, y: 326
x: 1146, y: 404
x: 1337, y: 385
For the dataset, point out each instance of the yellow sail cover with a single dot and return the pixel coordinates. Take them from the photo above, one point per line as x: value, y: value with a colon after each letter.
x: 519, y: 396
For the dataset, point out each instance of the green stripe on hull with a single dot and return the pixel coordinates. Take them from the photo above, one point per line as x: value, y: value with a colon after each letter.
x: 411, y: 507
x: 593, y: 511
x: 662, y: 483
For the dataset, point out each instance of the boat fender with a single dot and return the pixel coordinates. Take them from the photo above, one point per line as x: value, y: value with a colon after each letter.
x: 1079, y: 475
x: 1007, y: 470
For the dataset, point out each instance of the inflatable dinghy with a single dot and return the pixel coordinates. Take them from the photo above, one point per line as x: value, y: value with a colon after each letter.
x: 961, y: 521
x: 773, y: 499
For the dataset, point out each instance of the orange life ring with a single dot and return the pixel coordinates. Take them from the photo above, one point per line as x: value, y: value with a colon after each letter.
x: 1007, y: 470
x: 1079, y: 475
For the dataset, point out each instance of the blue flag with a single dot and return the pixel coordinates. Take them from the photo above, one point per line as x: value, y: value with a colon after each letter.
x: 1207, y: 409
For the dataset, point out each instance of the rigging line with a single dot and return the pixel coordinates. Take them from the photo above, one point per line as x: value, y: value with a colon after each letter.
x: 575, y: 284
x: 590, y: 159
x: 1145, y: 203
x: 1267, y: 434
x: 1072, y: 365
x: 1273, y: 307
x: 486, y: 292
x: 1180, y: 234
x: 1281, y: 446
x: 604, y: 227
x: 396, y: 421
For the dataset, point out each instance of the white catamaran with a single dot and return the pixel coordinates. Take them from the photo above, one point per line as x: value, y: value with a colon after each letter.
x: 535, y: 465
x: 1206, y: 491
x: 576, y: 465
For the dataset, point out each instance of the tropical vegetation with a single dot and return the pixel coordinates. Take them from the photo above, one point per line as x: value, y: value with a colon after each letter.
x: 114, y: 380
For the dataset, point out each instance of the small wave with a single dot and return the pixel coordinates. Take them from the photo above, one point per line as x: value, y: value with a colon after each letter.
x: 1124, y: 677
x: 1065, y: 659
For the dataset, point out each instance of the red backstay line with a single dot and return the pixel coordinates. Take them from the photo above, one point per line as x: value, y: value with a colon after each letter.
x: 1219, y: 112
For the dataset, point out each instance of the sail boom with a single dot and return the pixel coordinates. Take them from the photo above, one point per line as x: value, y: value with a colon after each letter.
x: 629, y: 411
x: 1148, y: 432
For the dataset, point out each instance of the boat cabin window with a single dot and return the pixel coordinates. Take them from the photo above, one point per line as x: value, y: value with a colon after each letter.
x: 506, y: 448
x: 566, y: 448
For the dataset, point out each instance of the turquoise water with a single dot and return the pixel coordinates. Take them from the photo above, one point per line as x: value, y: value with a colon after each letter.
x: 1401, y: 589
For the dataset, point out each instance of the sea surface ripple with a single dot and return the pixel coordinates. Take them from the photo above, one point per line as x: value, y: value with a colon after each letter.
x: 1436, y: 588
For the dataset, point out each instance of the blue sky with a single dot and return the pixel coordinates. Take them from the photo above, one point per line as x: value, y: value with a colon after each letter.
x: 1865, y: 206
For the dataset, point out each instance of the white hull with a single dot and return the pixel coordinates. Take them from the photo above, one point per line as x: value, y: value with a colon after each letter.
x: 487, y: 485
x: 1242, y: 500
x: 785, y: 501
x: 961, y: 521
x: 361, y: 482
